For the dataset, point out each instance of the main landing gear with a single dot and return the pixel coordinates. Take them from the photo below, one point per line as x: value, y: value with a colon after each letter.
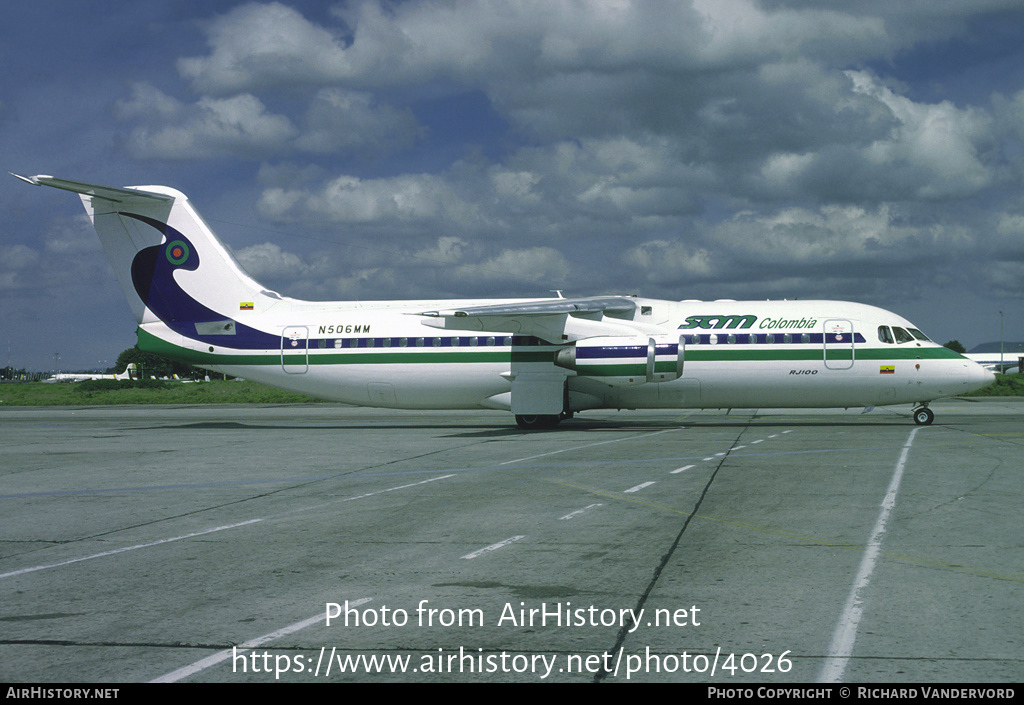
x: 923, y: 416
x: 537, y: 422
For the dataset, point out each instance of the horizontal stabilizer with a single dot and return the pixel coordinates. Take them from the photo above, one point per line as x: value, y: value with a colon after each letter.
x: 174, y: 271
x: 108, y: 193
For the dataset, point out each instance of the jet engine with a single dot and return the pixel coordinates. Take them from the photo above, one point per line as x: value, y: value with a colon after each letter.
x: 626, y: 360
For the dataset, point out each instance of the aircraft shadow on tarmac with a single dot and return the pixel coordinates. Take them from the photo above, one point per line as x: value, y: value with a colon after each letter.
x: 503, y: 430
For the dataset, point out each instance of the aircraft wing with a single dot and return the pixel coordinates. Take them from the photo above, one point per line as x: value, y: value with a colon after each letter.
x: 554, y: 320
x: 614, y: 306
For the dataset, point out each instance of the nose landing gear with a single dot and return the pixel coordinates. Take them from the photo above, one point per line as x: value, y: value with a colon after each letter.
x: 923, y: 416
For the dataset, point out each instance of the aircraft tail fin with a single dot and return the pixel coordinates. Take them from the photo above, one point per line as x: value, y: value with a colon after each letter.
x: 170, y: 264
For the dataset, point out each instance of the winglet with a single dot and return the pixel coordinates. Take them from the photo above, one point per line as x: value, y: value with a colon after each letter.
x: 26, y: 179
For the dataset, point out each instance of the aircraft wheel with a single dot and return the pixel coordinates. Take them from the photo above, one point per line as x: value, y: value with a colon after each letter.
x: 537, y: 422
x: 923, y: 416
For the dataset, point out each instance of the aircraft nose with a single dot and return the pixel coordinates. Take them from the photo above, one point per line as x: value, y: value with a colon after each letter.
x: 980, y: 377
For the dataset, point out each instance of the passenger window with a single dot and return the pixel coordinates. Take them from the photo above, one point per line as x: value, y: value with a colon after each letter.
x: 884, y: 334
x: 902, y: 336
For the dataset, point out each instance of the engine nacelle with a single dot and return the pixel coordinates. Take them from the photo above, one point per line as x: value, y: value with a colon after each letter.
x: 626, y: 360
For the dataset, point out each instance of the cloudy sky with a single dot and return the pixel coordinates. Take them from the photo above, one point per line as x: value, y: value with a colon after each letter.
x: 867, y: 151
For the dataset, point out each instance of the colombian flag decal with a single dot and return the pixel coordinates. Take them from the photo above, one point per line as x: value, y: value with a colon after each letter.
x: 887, y: 370
x: 246, y: 306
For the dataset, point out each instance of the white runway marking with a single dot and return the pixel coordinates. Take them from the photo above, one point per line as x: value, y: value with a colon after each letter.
x: 679, y: 470
x: 128, y: 548
x: 203, y: 664
x: 846, y: 630
x: 159, y: 542
x: 572, y: 515
x: 639, y: 487
x: 589, y: 445
x: 389, y: 489
x: 492, y: 547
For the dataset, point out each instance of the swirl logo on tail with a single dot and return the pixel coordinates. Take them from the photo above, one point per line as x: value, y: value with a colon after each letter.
x: 153, y: 275
x: 153, y: 271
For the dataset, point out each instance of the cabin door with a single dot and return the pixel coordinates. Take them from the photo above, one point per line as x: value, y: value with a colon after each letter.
x: 295, y: 350
x: 838, y: 344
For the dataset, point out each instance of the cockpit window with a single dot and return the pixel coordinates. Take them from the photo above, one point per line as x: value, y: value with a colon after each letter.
x: 919, y: 335
x: 884, y: 334
x: 902, y: 336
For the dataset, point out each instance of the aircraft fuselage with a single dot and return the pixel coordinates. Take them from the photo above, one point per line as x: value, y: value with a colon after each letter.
x: 729, y: 354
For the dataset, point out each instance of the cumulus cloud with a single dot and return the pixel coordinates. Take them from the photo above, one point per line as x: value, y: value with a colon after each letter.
x: 241, y: 126
x: 542, y: 266
x: 17, y: 268
x: 259, y: 45
x: 340, y: 120
x: 715, y: 148
x: 349, y: 199
x: 713, y: 142
x: 663, y: 261
x: 801, y: 252
x: 934, y: 146
x: 268, y: 260
x: 213, y: 127
x: 67, y: 271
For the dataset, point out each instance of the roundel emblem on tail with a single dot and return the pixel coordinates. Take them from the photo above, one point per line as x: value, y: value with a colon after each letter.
x: 177, y: 252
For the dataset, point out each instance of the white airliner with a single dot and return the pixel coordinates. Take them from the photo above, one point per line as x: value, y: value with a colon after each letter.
x: 542, y: 360
x: 129, y: 373
x: 1009, y: 361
